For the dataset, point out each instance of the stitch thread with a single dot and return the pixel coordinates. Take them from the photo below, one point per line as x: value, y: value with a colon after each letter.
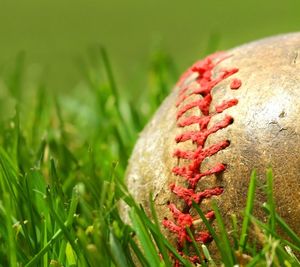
x: 235, y: 84
x: 191, y: 172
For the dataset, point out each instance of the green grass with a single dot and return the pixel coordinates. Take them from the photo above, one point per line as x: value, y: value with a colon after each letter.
x: 62, y: 163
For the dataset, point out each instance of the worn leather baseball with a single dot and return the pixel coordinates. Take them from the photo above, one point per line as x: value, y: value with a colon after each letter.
x: 230, y: 113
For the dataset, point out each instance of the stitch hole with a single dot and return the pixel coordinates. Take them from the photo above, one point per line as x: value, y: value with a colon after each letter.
x: 225, y: 166
x: 226, y: 143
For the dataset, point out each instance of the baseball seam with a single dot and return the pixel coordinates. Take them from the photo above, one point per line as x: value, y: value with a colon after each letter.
x: 191, y: 172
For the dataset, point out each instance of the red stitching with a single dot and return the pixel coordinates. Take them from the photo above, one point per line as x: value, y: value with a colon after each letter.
x: 235, y: 84
x: 204, y: 83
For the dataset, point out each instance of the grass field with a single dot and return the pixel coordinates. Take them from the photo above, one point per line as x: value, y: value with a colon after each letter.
x: 62, y: 163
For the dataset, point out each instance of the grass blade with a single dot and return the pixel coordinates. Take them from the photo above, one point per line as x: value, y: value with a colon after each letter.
x: 229, y: 260
x: 116, y: 251
x: 248, y: 211
x: 158, y: 238
x: 145, y: 239
x: 270, y: 200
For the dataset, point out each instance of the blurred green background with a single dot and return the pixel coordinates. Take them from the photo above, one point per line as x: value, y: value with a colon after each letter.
x: 55, y: 34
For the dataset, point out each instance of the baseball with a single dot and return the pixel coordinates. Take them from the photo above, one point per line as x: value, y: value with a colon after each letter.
x: 229, y: 113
